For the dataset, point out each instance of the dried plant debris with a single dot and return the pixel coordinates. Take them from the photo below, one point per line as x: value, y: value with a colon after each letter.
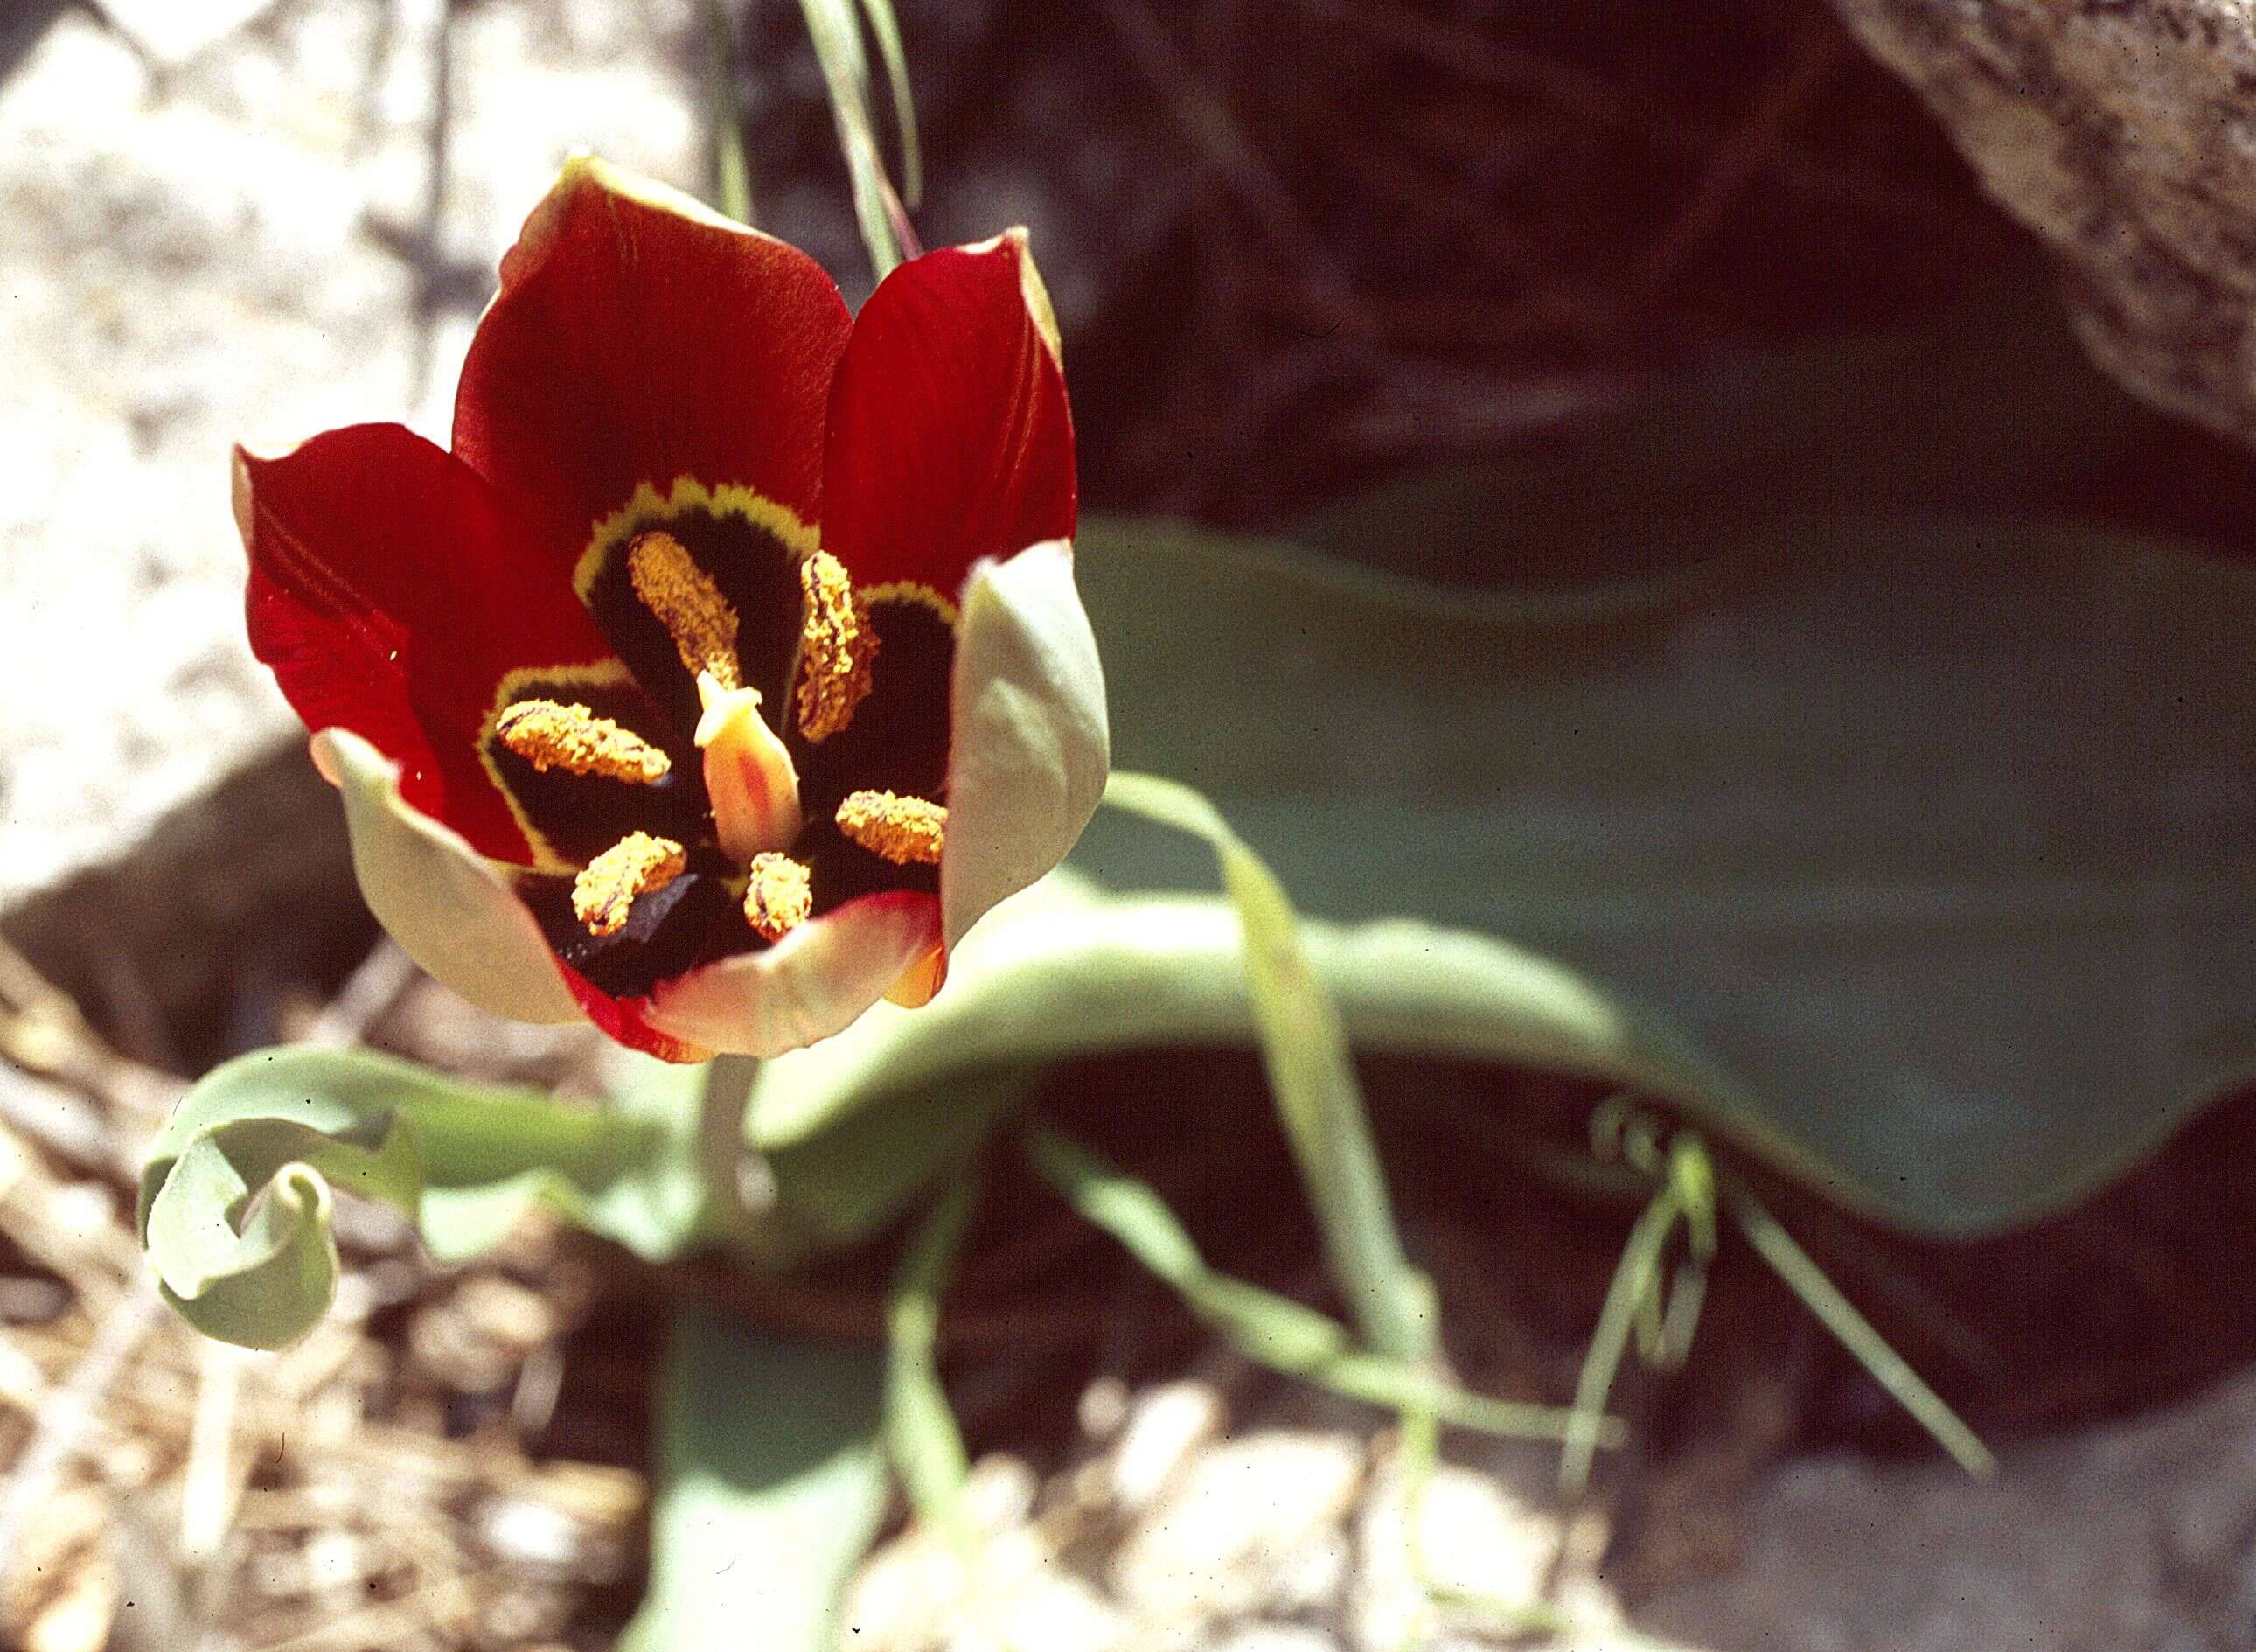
x: 392, y: 1480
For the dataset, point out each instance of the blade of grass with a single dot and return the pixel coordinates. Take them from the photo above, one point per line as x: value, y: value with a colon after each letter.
x: 835, y: 29
x: 732, y: 172
x: 886, y: 30
x: 1633, y: 1280
x: 1806, y: 1280
x: 921, y: 1431
x: 1692, y: 1173
x: 1273, y: 1330
x: 1312, y: 1074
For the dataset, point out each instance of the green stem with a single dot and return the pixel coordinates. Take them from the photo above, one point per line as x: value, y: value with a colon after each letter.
x: 727, y: 1163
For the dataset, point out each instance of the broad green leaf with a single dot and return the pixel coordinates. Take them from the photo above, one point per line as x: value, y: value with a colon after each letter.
x: 1995, y: 412
x: 235, y: 1201
x: 1064, y: 970
x: 1928, y: 850
x: 771, y: 1482
x: 840, y: 1183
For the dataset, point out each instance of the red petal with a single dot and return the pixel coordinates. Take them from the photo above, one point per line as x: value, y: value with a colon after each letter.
x: 950, y: 436
x: 639, y: 338
x: 391, y: 594
x: 621, y: 1017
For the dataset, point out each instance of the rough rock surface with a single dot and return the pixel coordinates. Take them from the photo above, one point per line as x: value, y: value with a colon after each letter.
x: 1287, y: 1534
x: 2123, y: 133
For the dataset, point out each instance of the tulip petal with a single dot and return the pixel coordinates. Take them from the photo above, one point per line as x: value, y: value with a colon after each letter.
x: 443, y: 902
x: 638, y: 338
x: 623, y: 1021
x: 949, y: 437
x: 816, y: 981
x: 392, y: 594
x: 1031, y: 744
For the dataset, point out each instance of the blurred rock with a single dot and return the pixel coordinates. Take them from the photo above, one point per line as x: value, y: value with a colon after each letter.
x: 1276, y: 1637
x: 2123, y: 134
x: 1477, y: 1542
x: 1245, y: 1509
x: 1165, y: 1426
x: 2136, y: 1535
x: 1056, y: 1613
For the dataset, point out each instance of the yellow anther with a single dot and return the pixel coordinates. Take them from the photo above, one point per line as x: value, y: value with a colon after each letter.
x: 779, y: 896
x: 688, y: 604
x: 899, y: 829
x: 834, y: 648
x: 549, y: 734
x: 637, y: 864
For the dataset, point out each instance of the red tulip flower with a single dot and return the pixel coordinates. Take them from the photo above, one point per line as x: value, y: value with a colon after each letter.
x: 730, y: 666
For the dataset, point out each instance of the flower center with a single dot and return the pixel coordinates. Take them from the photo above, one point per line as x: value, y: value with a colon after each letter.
x: 788, y: 716
x: 750, y: 778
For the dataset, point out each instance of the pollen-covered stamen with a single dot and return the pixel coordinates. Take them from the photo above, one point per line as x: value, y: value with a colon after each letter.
x: 898, y: 828
x: 778, y: 897
x: 604, y: 892
x: 688, y: 603
x: 836, y: 648
x: 549, y: 734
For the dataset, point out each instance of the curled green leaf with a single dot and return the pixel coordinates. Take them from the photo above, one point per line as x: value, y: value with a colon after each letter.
x: 235, y: 1202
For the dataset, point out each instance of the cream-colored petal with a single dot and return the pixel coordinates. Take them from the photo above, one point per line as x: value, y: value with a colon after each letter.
x: 1029, y: 746
x: 816, y: 981
x: 445, y: 904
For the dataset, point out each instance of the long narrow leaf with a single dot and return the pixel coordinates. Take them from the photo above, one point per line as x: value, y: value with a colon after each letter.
x: 886, y: 30
x: 837, y: 31
x: 1311, y: 1072
x: 732, y: 170
x: 1273, y: 1330
x: 1802, y: 1276
x: 1635, y: 1277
